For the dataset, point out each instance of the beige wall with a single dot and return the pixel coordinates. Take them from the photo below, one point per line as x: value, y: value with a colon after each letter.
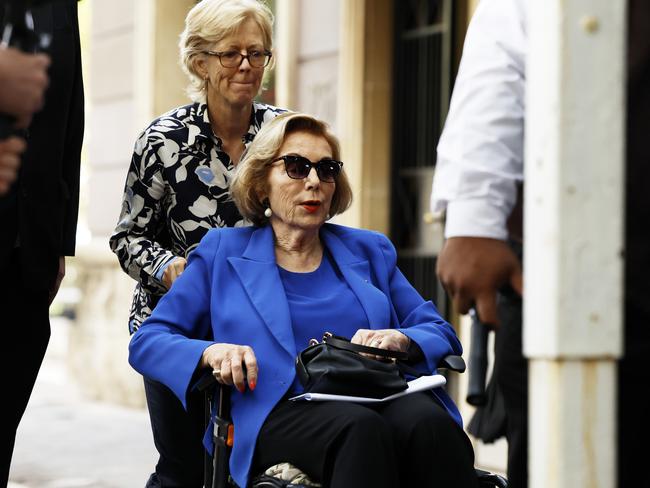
x: 307, y: 52
x: 109, y: 108
x: 134, y: 76
x: 131, y: 74
x: 349, y: 88
x: 318, y: 57
x: 169, y: 81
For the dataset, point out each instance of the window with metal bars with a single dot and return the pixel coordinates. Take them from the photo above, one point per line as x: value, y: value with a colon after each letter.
x: 421, y: 84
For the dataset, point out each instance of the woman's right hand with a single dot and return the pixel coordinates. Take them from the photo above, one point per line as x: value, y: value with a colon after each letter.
x: 173, y: 271
x: 231, y: 364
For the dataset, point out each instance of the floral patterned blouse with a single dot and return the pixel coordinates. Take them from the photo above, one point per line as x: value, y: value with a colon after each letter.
x: 176, y: 190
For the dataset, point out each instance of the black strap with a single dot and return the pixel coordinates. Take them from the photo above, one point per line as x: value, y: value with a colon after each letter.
x: 343, y: 343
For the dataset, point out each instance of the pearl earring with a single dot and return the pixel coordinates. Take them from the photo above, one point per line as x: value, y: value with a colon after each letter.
x: 268, y: 212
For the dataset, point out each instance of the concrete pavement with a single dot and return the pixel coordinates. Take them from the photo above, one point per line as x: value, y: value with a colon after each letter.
x: 67, y: 441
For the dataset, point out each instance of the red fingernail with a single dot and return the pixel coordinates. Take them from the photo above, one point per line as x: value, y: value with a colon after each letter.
x: 241, y: 389
x: 252, y: 384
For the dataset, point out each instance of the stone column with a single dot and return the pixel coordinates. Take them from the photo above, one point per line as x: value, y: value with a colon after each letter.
x: 364, y: 109
x: 573, y: 230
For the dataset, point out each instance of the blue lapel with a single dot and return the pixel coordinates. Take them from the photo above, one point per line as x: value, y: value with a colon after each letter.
x: 258, y: 272
x: 356, y: 272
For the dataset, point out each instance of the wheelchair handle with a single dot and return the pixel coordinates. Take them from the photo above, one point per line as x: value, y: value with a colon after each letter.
x: 476, y: 394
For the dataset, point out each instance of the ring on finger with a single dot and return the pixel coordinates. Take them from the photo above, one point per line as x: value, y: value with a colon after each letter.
x: 216, y: 373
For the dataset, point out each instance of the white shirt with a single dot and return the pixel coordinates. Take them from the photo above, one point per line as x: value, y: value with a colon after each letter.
x: 480, y: 153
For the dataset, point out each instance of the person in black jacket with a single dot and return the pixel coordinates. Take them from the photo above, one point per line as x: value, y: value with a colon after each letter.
x: 38, y: 217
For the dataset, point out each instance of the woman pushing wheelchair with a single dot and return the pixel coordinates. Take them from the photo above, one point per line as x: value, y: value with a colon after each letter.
x: 251, y: 298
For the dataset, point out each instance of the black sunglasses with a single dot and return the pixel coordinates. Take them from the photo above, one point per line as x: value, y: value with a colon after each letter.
x: 299, y: 167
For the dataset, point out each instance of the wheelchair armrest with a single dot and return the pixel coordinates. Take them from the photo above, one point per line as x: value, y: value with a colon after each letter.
x: 453, y: 363
x: 450, y: 362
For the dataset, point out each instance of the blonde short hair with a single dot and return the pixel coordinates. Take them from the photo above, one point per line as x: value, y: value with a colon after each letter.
x: 211, y: 21
x: 251, y: 176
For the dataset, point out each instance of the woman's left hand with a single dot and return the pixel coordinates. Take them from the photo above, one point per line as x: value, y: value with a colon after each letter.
x: 390, y: 339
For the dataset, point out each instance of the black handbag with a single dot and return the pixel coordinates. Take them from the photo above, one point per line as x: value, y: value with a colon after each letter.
x: 335, y: 366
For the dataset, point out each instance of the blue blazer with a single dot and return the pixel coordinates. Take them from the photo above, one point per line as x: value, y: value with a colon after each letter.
x: 231, y: 291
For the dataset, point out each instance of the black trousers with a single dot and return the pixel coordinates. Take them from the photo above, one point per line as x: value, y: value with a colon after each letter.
x: 511, y: 374
x: 633, y: 378
x: 411, y: 441
x: 25, y: 326
x: 178, y: 437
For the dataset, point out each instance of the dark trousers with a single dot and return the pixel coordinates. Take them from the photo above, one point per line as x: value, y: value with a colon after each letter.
x: 633, y: 378
x: 633, y: 368
x: 408, y: 442
x: 25, y: 326
x: 178, y: 437
x: 511, y: 374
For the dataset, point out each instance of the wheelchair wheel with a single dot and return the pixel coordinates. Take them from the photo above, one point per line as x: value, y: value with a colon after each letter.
x: 264, y: 481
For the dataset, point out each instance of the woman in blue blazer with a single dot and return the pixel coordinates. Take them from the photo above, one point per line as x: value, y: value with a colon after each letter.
x: 252, y: 297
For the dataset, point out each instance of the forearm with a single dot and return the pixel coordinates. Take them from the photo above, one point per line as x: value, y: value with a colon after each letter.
x: 162, y: 354
x: 169, y: 345
x: 143, y: 260
x: 142, y: 227
x: 135, y: 242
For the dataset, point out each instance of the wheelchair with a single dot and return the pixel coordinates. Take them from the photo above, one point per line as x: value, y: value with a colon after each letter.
x: 217, y: 411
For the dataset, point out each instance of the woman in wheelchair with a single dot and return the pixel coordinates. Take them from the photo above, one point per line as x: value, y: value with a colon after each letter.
x: 252, y: 297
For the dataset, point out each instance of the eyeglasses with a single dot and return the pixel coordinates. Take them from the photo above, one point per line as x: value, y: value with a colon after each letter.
x: 234, y: 59
x: 299, y: 167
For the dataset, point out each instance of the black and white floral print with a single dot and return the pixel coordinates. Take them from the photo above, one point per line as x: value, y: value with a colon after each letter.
x: 176, y: 190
